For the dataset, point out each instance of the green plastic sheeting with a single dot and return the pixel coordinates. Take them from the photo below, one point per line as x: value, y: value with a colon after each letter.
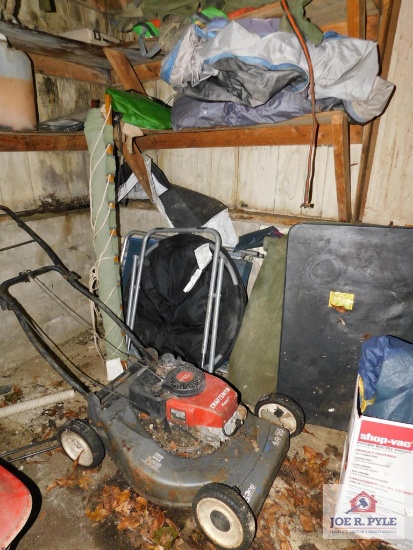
x: 253, y: 365
x: 104, y: 219
x: 141, y: 110
x: 310, y: 31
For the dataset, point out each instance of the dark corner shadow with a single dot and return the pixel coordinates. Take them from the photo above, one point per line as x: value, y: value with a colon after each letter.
x: 36, y: 500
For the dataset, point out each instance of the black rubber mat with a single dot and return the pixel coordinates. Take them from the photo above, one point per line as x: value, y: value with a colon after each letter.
x: 320, y: 345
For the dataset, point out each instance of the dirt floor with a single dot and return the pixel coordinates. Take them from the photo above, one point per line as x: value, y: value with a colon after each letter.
x: 95, y: 509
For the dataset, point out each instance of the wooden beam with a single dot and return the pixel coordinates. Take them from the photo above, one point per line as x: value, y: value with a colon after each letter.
x: 130, y: 80
x: 66, y: 69
x: 38, y: 141
x: 137, y: 165
x: 240, y: 214
x: 124, y: 70
x: 387, y: 32
x: 62, y: 48
x: 356, y: 18
x: 271, y: 219
x: 341, y: 148
x: 145, y: 72
x: 264, y: 12
x: 116, y: 5
x: 97, y: 5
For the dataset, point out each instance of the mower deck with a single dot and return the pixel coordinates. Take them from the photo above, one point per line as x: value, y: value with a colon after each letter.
x: 249, y: 460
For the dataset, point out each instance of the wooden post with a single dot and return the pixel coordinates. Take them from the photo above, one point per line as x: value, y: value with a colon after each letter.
x: 387, y: 31
x: 130, y: 80
x: 124, y: 70
x: 356, y: 18
x: 341, y: 148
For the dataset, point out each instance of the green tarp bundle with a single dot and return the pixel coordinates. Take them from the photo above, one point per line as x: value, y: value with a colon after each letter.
x: 253, y: 365
x: 141, y: 110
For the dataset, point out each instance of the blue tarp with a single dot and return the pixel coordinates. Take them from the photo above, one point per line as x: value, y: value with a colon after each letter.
x: 386, y: 370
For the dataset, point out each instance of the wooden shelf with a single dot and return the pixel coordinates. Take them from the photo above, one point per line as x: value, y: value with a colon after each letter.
x: 290, y: 132
x: 42, y: 141
x: 59, y: 56
x: 296, y: 132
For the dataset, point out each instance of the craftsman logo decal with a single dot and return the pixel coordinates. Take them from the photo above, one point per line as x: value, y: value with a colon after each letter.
x: 185, y: 376
x: 396, y: 437
x: 218, y: 399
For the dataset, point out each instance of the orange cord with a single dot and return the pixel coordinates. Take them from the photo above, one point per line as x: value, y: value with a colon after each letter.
x: 313, y: 142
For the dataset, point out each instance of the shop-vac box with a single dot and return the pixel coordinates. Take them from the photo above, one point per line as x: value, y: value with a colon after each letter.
x: 376, y: 481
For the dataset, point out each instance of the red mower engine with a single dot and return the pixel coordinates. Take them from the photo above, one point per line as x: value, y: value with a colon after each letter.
x: 183, y: 394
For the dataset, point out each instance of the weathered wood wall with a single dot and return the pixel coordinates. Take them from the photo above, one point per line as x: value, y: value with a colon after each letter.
x: 257, y: 179
x: 390, y: 197
x: 31, y: 180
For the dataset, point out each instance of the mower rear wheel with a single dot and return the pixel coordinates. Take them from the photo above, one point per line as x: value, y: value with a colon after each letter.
x: 80, y: 441
x: 282, y: 411
x: 224, y: 516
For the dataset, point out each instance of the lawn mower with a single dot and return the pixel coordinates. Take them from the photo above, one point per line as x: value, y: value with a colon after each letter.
x: 169, y: 320
x: 178, y: 434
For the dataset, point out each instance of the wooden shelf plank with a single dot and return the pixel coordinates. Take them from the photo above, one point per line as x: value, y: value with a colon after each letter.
x: 67, y: 69
x: 42, y: 141
x: 292, y: 132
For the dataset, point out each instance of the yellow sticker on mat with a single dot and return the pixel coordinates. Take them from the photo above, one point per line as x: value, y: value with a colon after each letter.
x: 341, y: 299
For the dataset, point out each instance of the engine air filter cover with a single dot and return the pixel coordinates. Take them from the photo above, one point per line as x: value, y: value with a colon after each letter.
x: 185, y: 380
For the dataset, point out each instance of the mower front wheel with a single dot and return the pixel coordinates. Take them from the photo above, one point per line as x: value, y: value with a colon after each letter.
x: 224, y: 516
x: 282, y: 411
x: 80, y: 442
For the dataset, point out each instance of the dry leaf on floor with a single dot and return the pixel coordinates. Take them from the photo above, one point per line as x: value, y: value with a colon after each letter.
x: 306, y: 523
x: 158, y: 520
x: 165, y: 537
x: 131, y: 522
x: 78, y: 478
x: 124, y: 508
x: 280, y: 537
x: 305, y: 431
x: 12, y: 397
x: 70, y: 414
x: 309, y: 452
x: 171, y: 524
x: 98, y: 514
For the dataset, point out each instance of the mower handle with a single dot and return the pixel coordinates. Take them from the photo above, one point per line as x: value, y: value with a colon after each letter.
x: 52, y: 255
x: 7, y: 301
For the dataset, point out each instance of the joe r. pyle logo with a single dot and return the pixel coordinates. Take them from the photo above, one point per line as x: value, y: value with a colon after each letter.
x: 363, y: 502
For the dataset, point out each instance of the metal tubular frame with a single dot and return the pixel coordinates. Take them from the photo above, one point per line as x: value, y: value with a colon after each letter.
x: 214, y: 295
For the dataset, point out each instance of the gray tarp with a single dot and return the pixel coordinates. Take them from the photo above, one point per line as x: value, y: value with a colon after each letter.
x: 188, y: 112
x: 236, y: 65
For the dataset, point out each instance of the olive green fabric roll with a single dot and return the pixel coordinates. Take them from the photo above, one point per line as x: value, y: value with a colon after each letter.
x: 253, y: 365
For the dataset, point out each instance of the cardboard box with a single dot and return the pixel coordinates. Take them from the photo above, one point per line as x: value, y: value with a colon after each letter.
x: 377, y: 477
x: 91, y: 37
